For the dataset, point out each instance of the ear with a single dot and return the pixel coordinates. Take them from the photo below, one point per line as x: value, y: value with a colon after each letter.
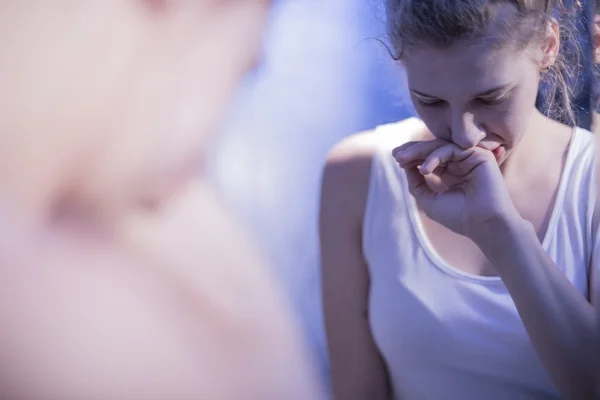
x: 596, y: 38
x: 550, y: 44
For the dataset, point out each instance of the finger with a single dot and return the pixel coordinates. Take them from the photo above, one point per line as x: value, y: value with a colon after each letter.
x: 447, y: 179
x: 441, y: 156
x: 475, y: 157
x: 418, y: 188
x: 412, y: 151
x: 407, y: 145
x: 418, y: 151
x: 403, y: 147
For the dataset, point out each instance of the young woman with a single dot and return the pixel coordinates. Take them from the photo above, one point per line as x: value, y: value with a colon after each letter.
x: 120, y: 277
x: 458, y: 248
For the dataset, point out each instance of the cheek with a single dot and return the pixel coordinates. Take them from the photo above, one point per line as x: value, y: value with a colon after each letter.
x: 511, y: 118
x: 436, y: 120
x: 437, y: 126
x: 508, y: 122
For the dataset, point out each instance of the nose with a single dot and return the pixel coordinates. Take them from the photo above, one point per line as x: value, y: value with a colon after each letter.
x: 465, y: 132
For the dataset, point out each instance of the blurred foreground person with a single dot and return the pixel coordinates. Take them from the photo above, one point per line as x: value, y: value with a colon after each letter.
x: 121, y: 277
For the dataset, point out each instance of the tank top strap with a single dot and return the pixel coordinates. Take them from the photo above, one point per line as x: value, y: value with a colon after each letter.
x: 388, y: 188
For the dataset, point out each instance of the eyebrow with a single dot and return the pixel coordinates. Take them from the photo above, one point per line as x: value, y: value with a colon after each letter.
x: 480, y: 94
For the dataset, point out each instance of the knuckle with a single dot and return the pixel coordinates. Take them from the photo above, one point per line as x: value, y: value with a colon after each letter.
x: 484, y: 154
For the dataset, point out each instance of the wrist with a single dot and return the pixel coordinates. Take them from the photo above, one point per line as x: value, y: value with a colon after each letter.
x: 501, y: 234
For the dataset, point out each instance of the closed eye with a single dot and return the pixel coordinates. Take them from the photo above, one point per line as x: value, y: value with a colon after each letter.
x: 431, y: 103
x: 483, y: 101
x: 495, y: 101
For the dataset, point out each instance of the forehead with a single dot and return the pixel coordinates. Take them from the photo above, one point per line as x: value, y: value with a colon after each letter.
x: 468, y: 67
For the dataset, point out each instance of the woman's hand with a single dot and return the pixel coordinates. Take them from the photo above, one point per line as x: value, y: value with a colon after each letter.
x: 474, y: 193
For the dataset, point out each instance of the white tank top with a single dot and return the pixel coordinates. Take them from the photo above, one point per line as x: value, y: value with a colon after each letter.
x: 447, y: 334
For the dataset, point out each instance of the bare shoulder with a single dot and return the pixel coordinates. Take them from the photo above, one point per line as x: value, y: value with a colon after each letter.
x: 348, y: 166
x: 346, y: 175
x: 351, y: 157
x: 354, y: 151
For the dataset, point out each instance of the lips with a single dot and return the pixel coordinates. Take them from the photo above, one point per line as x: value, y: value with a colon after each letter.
x: 497, y: 149
x: 498, y: 152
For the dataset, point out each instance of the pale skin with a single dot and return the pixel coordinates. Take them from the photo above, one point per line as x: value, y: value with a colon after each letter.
x: 117, y: 275
x: 489, y: 216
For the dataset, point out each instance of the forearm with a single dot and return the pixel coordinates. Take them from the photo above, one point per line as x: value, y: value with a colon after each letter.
x: 559, y: 320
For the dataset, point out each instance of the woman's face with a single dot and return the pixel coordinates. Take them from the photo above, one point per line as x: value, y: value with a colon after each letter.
x: 474, y: 96
x: 127, y: 90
